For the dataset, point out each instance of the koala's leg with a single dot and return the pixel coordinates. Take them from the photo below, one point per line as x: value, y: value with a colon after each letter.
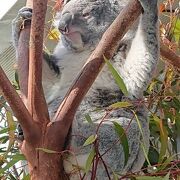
x: 51, y: 70
x: 109, y: 144
x: 143, y: 55
x: 114, y: 157
x: 23, y: 18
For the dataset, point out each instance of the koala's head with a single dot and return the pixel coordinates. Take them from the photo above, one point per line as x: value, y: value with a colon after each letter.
x: 83, y: 22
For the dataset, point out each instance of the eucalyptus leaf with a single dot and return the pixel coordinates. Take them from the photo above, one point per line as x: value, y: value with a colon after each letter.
x: 11, y: 129
x: 117, y: 77
x: 121, y: 105
x: 47, y: 151
x: 89, y: 160
x: 124, y: 142
x: 163, y: 137
x: 88, y: 119
x: 90, y: 140
x: 149, y: 178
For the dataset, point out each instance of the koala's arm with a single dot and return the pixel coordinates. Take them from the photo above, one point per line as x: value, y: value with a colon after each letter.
x: 51, y: 71
x: 143, y: 55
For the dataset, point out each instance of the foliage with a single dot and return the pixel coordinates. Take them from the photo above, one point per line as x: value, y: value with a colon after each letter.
x: 9, y: 152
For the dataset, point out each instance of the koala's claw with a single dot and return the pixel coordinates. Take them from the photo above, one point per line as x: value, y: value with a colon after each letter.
x: 23, y: 18
x: 25, y: 13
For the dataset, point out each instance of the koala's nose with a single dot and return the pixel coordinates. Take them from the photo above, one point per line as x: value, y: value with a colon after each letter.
x: 64, y: 23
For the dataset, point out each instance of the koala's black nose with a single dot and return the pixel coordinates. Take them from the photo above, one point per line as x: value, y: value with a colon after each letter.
x: 64, y: 23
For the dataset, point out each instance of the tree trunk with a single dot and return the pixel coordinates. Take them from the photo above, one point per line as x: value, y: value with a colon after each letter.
x: 45, y: 159
x: 49, y: 166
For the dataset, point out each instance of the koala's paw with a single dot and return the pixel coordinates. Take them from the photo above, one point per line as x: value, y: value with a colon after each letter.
x: 25, y: 13
x: 148, y: 5
x: 20, y: 135
x: 23, y: 18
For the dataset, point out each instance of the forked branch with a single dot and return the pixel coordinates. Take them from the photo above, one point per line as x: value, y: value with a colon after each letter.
x: 18, y: 107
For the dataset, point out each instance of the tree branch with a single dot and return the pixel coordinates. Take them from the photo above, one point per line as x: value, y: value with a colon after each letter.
x: 36, y: 100
x: 18, y: 107
x: 107, y: 46
x: 170, y: 56
x: 23, y: 61
x: 23, y: 57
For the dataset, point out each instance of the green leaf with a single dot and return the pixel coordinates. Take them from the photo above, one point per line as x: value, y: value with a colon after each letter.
x: 176, y: 103
x: 4, y: 139
x: 47, y: 151
x: 11, y: 129
x: 163, y: 137
x: 88, y: 119
x: 90, y: 140
x: 15, y: 159
x: 176, y: 29
x: 120, y: 105
x: 143, y: 144
x: 149, y: 178
x: 8, y: 165
x: 89, y: 160
x: 153, y: 177
x: 115, y: 176
x: 117, y: 77
x: 18, y: 157
x: 152, y: 85
x: 165, y: 163
x: 4, y: 130
x: 26, y: 177
x: 122, y: 136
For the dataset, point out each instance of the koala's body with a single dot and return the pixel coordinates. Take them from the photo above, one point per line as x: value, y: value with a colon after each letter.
x: 82, y: 24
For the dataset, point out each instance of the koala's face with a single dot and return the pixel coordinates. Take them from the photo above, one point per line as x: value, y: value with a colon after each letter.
x: 82, y: 22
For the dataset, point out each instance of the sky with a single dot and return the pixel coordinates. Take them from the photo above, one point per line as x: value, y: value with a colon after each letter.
x: 5, y: 5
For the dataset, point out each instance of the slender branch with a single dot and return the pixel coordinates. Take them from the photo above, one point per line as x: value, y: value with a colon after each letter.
x: 171, y: 57
x: 23, y: 61
x: 107, y: 46
x: 23, y: 57
x: 36, y: 100
x: 16, y: 104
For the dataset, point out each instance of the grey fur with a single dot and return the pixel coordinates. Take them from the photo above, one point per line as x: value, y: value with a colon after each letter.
x: 82, y: 23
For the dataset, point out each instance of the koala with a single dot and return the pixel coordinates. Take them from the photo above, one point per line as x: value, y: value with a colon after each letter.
x: 82, y: 24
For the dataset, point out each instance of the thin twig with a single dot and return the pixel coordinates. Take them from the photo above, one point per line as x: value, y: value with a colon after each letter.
x: 171, y: 57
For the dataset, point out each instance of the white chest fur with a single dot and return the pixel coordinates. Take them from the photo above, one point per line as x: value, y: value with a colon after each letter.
x: 71, y: 63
